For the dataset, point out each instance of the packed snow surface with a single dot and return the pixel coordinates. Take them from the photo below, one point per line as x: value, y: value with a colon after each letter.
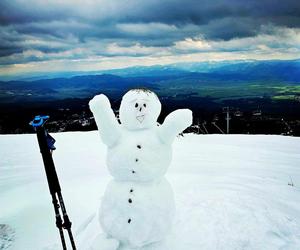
x: 231, y: 191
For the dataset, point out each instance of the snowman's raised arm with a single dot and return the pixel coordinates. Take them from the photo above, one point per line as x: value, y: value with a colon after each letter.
x: 175, y: 123
x: 106, y: 121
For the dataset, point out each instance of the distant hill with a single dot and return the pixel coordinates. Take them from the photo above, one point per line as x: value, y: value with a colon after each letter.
x: 60, y: 88
x: 288, y: 71
x: 239, y: 70
x: 202, y: 78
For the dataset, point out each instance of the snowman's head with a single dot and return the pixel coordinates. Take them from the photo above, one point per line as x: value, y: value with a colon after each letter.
x: 139, y: 109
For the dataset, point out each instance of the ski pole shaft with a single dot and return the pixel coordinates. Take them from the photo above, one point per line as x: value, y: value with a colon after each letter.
x: 67, y: 223
x: 46, y: 144
x: 59, y: 222
x: 51, y: 174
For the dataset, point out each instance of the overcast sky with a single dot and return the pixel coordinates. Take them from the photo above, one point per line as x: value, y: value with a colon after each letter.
x: 73, y: 35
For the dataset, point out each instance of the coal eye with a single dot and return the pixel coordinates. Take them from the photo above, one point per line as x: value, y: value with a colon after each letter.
x: 136, y: 105
x: 145, y: 105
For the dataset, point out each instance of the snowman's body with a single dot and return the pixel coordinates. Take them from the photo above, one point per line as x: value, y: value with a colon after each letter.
x: 144, y: 220
x: 138, y: 205
x: 139, y: 156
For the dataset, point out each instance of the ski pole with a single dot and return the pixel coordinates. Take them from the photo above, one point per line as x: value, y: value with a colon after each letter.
x: 46, y: 144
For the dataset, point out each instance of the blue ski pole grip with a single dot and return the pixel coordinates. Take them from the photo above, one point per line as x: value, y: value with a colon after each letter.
x: 39, y: 120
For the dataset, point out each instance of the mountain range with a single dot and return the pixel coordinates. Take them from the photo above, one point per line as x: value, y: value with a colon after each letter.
x: 172, y: 79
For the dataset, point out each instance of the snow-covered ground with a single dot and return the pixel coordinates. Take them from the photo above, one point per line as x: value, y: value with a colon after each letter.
x: 232, y: 191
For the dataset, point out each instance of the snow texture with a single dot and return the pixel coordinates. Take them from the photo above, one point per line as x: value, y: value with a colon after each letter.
x: 7, y: 235
x: 138, y: 205
x: 232, y: 192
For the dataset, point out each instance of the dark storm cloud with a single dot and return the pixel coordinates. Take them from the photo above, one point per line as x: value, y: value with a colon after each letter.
x: 28, y: 25
x: 168, y: 11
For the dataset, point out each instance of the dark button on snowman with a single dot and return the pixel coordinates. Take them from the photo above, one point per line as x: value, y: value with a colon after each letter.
x: 139, y: 153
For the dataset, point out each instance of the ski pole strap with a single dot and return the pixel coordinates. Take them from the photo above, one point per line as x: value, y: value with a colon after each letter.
x: 50, y: 141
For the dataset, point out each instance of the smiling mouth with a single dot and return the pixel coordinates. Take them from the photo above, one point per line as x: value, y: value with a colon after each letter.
x: 140, y: 118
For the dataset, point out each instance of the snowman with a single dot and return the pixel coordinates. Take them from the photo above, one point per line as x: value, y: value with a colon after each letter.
x: 138, y: 207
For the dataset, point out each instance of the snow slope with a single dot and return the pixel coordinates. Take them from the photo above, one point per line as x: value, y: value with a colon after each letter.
x: 231, y: 191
